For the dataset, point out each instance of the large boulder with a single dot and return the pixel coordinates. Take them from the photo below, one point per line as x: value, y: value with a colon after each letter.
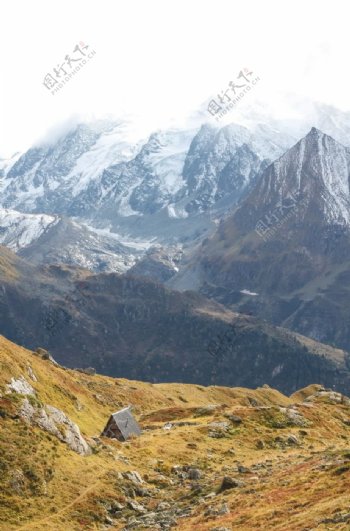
x: 56, y: 422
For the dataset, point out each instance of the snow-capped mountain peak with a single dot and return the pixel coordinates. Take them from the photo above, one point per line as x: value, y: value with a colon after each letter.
x: 167, y: 186
x: 315, y: 172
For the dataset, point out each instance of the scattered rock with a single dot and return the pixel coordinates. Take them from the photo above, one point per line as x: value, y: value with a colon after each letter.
x: 339, y: 518
x: 31, y: 374
x: 217, y: 511
x: 78, y: 405
x: 194, y: 474
x: 41, y: 352
x: 233, y: 418
x: 135, y: 506
x: 220, y: 425
x: 292, y: 439
x: 231, y: 451
x: 163, y: 506
x: 21, y: 386
x: 230, y: 483
x: 217, y: 434
x: 133, y: 476
x: 243, y: 470
x: 116, y: 507
x: 142, y: 492
x: 224, y: 509
x: 45, y: 355
x: 294, y: 417
x: 330, y: 395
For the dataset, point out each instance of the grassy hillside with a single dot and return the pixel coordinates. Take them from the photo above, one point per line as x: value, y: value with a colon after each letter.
x: 286, y: 459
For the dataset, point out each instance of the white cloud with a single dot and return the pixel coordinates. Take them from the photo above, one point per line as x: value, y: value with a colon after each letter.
x: 158, y: 60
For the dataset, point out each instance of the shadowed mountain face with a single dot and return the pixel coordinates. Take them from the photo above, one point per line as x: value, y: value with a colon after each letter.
x: 124, y: 326
x: 285, y: 252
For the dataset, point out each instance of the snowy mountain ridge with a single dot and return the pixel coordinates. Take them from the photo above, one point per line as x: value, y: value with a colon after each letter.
x: 165, y: 189
x: 316, y: 170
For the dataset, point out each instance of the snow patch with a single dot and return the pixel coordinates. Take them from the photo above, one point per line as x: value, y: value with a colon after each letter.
x: 247, y: 292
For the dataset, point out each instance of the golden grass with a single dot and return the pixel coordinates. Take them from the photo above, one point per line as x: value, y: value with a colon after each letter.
x: 290, y: 487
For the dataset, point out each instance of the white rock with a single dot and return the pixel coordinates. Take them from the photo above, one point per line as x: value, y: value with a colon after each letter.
x: 31, y: 374
x: 21, y: 386
x: 56, y: 422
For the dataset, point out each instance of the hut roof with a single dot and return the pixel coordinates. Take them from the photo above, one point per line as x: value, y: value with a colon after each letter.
x: 126, y: 422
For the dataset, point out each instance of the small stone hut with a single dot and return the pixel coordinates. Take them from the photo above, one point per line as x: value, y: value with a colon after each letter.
x: 121, y: 425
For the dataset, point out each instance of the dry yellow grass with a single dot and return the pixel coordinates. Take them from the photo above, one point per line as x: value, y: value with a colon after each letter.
x: 290, y: 484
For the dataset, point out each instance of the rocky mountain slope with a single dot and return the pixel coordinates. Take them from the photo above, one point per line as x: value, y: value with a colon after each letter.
x: 128, y: 326
x: 284, y: 254
x: 164, y: 188
x: 45, y: 239
x: 181, y: 172
x: 208, y: 458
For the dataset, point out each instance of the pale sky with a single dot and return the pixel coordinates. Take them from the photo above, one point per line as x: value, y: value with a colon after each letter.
x: 159, y: 60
